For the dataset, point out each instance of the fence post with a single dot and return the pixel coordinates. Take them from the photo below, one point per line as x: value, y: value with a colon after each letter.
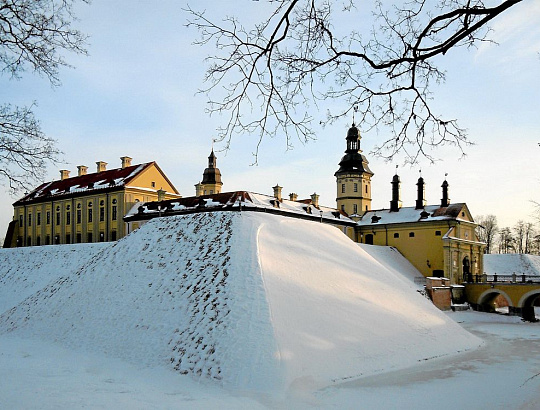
x: 495, y: 277
x: 523, y: 278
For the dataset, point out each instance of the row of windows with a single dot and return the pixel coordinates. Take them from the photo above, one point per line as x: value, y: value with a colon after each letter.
x: 369, y: 237
x: 78, y: 239
x: 355, y: 208
x: 355, y: 188
x: 411, y: 234
x: 89, y: 213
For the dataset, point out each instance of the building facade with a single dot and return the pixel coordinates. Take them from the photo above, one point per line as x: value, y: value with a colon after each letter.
x: 439, y: 240
x: 88, y: 207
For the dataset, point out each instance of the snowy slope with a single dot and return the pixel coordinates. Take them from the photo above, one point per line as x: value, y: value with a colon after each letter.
x: 392, y: 259
x: 251, y: 300
x: 24, y: 271
x: 507, y: 264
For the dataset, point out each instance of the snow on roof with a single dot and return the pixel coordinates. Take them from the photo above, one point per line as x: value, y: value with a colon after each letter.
x: 97, y: 180
x: 235, y: 200
x: 509, y: 263
x: 410, y: 214
x: 248, y: 300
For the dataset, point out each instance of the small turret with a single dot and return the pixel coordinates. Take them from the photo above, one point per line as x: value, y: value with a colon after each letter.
x: 353, y: 178
x: 211, y: 182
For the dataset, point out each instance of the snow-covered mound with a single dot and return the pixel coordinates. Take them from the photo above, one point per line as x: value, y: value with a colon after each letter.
x: 24, y: 271
x: 509, y: 263
x: 253, y: 300
x: 392, y: 259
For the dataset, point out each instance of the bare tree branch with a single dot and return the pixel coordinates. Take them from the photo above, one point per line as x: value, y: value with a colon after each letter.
x: 271, y: 79
x: 32, y: 35
x: 24, y: 149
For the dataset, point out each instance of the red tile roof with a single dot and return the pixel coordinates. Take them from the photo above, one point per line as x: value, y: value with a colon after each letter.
x: 89, y: 182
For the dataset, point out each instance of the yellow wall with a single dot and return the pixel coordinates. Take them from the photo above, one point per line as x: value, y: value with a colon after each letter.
x: 209, y: 189
x: 426, y: 244
x: 428, y: 250
x: 91, y: 217
x: 362, y: 197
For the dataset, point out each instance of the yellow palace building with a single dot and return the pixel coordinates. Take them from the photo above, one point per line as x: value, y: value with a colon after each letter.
x: 88, y: 207
x: 439, y: 240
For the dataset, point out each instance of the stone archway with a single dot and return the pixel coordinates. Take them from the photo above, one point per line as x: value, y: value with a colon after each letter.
x: 526, y: 303
x: 487, y: 301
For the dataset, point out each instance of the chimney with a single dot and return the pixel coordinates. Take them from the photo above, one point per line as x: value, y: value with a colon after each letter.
x: 395, y: 203
x: 101, y: 166
x: 64, y: 174
x: 445, y: 201
x: 126, y: 161
x: 315, y: 200
x: 82, y: 170
x: 277, y: 192
x: 161, y: 194
x: 293, y: 196
x: 420, y: 198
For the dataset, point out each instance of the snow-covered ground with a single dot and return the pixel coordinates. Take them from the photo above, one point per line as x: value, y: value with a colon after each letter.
x: 502, y: 374
x: 509, y: 263
x: 243, y: 310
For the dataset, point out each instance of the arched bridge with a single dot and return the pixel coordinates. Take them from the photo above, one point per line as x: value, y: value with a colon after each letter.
x: 519, y: 293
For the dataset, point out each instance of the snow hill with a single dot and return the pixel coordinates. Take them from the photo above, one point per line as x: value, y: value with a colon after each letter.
x: 507, y: 264
x: 251, y: 300
x: 24, y: 271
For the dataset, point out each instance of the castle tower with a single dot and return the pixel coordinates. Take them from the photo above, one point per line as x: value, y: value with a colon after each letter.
x: 211, y: 182
x: 353, y: 177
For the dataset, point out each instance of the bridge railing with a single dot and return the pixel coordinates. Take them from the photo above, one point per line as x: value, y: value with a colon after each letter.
x: 495, y: 278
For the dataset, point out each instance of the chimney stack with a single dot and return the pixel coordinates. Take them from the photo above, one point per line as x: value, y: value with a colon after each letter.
x: 82, y: 170
x: 420, y: 199
x: 126, y: 161
x: 315, y: 200
x: 64, y: 174
x: 445, y: 201
x: 277, y: 192
x: 293, y: 196
x: 395, y: 203
x: 161, y: 194
x: 101, y: 166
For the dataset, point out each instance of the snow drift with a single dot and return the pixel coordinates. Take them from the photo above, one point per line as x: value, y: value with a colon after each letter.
x: 255, y: 301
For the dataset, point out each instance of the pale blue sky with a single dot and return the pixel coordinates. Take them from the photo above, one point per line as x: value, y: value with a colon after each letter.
x: 136, y: 95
